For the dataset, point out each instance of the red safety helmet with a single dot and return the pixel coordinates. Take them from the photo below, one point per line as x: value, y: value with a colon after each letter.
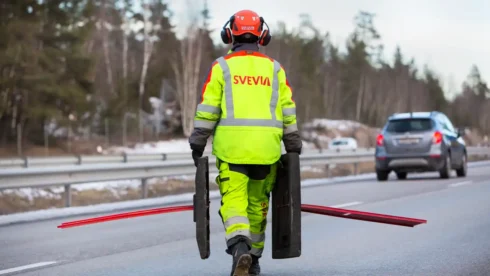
x: 246, y: 22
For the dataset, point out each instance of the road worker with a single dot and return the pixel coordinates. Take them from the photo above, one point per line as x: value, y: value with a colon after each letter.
x: 247, y: 105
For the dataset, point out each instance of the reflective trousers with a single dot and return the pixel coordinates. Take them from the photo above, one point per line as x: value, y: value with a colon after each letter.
x: 245, y: 192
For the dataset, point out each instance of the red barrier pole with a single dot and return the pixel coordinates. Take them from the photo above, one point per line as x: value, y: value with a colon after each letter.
x: 126, y: 215
x: 322, y: 210
x: 358, y: 215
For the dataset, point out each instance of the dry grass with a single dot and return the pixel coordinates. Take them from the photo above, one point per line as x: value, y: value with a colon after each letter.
x: 13, y: 203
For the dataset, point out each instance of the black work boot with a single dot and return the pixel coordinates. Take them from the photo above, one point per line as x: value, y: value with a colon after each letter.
x: 255, y: 267
x: 241, y: 257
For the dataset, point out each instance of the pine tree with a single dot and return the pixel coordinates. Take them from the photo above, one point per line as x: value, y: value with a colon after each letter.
x: 49, y: 73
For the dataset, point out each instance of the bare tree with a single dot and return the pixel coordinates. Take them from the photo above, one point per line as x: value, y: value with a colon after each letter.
x: 186, y: 68
x: 149, y: 29
x: 106, y: 28
x: 125, y: 31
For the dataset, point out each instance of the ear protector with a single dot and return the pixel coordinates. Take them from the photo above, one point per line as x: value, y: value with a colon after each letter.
x: 227, y: 38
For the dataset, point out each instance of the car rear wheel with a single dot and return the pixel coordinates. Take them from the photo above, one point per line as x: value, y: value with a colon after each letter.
x: 401, y: 175
x: 461, y: 172
x: 382, y: 175
x: 445, y: 171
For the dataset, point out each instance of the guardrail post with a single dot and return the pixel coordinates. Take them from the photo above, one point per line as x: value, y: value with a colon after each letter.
x: 144, y: 188
x: 26, y: 162
x: 327, y: 170
x: 67, y: 195
x: 356, y: 168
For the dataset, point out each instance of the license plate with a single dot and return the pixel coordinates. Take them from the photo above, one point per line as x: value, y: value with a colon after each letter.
x: 408, y: 141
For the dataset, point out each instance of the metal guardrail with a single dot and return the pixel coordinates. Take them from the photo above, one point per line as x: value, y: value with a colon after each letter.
x: 27, y: 162
x: 38, y: 177
x: 56, y: 175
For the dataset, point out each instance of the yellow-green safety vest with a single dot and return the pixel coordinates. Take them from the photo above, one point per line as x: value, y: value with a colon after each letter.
x: 248, y: 102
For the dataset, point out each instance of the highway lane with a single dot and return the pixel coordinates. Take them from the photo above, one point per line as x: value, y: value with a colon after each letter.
x: 456, y: 241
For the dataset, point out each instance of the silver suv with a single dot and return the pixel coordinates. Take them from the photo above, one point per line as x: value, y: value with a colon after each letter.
x: 420, y: 142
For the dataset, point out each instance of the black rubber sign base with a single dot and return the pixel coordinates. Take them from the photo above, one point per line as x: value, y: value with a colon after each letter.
x: 201, y: 207
x: 286, y: 209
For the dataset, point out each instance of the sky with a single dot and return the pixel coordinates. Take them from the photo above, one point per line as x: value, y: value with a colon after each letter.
x: 447, y: 35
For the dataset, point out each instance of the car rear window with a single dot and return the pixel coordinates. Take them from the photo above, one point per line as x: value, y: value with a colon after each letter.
x: 409, y: 125
x: 338, y: 143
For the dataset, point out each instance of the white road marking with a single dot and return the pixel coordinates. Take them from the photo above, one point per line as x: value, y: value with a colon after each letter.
x: 460, y: 184
x: 347, y: 204
x: 20, y: 268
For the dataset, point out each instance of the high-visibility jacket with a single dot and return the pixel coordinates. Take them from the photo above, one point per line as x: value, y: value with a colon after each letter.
x: 247, y: 101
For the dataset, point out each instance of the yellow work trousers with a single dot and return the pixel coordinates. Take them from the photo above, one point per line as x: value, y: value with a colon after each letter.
x: 245, y: 192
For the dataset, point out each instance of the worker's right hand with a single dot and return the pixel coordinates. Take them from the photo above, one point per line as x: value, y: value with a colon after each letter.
x: 196, y: 155
x: 297, y: 150
x: 197, y: 152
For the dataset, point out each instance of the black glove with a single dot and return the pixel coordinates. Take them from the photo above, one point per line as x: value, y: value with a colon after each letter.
x: 297, y: 150
x: 197, y: 152
x: 196, y: 155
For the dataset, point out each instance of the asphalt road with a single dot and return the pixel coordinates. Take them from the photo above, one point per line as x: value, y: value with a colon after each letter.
x: 456, y: 240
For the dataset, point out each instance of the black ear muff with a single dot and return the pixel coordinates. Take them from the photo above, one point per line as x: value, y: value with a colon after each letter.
x: 265, y: 37
x: 226, y: 35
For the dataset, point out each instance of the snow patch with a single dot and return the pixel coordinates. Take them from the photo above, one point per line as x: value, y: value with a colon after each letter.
x: 121, y: 184
x: 170, y: 146
x: 321, y: 132
x: 30, y: 193
x: 311, y: 169
x: 116, y: 187
x: 332, y: 124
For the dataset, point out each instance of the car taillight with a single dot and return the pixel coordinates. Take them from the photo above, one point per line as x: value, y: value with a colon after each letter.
x: 379, y: 140
x: 437, y: 139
